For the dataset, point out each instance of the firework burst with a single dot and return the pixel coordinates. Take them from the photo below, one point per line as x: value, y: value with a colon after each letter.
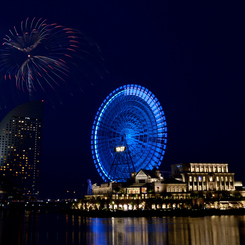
x: 38, y: 55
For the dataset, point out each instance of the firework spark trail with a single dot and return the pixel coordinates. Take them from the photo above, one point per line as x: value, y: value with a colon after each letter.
x: 38, y: 56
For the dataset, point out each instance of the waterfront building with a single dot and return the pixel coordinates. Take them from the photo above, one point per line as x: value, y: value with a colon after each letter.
x: 20, y: 149
x: 204, y: 176
x: 142, y: 183
x: 138, y: 192
x: 209, y: 185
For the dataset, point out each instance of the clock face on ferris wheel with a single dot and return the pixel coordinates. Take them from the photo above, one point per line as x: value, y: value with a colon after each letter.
x: 129, y: 133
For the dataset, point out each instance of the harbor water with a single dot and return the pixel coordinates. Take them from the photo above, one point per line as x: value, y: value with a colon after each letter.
x: 29, y: 227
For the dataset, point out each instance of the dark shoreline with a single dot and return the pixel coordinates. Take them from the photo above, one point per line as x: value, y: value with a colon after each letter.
x: 155, y: 213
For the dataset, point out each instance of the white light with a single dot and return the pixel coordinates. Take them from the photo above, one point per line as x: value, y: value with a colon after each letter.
x: 120, y: 148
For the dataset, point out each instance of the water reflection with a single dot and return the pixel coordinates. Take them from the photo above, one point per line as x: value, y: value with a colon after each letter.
x: 213, y: 230
x: 46, y: 228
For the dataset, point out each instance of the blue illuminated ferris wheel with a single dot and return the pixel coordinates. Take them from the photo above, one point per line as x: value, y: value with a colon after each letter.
x: 129, y: 133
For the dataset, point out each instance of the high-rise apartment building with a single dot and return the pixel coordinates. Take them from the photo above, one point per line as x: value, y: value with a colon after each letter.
x: 20, y: 150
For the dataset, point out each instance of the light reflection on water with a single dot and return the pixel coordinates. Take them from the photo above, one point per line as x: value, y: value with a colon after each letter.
x: 51, y: 228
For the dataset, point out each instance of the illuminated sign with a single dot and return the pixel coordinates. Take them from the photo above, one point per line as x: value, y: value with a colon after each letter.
x: 120, y: 148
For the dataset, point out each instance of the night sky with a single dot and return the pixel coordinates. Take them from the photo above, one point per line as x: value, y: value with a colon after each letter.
x: 190, y: 55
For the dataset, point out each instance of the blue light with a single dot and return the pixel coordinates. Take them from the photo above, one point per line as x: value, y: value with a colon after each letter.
x: 156, y: 114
